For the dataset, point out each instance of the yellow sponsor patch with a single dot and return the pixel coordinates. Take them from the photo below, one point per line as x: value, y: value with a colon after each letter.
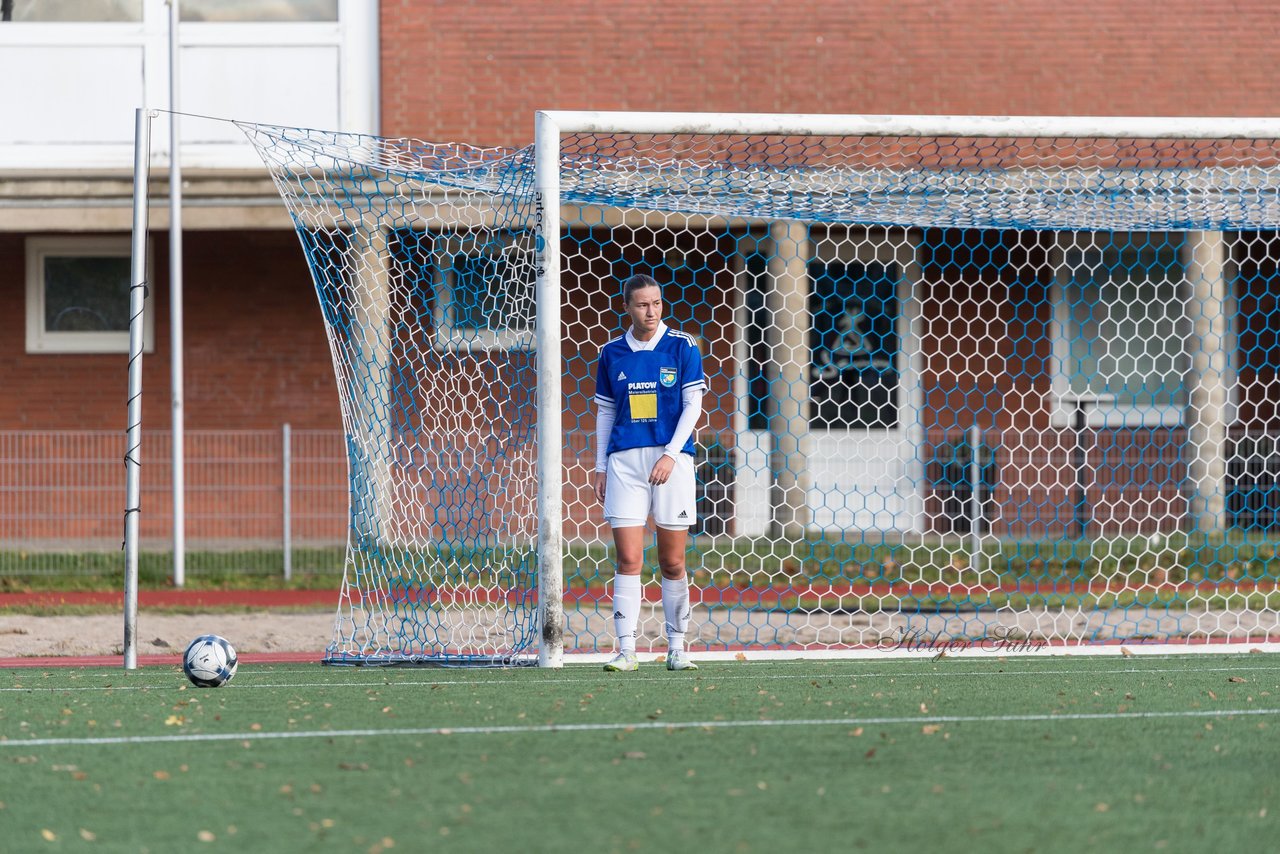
x: 644, y: 407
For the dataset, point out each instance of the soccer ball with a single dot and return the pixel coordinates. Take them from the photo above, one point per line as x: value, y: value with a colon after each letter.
x: 209, y: 661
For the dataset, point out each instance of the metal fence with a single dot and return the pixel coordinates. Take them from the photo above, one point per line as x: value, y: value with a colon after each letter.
x: 275, y: 502
x: 257, y: 501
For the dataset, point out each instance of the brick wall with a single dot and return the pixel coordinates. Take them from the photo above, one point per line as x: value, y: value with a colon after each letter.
x: 476, y: 71
x: 256, y: 354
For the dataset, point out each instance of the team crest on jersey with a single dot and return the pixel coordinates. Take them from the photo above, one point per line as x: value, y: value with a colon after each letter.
x: 667, y: 376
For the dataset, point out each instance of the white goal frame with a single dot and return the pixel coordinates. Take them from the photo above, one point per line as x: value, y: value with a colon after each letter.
x: 550, y: 125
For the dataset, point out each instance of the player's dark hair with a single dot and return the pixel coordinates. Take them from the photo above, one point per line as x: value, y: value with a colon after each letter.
x: 635, y: 283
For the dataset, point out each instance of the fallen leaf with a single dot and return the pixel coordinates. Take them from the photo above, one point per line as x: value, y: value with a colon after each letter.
x: 206, y: 836
x: 930, y: 729
x: 1101, y: 807
x: 1212, y: 696
x: 160, y: 775
x: 174, y: 720
x: 870, y: 753
x: 88, y: 835
x: 49, y: 835
x: 742, y: 656
x: 634, y: 754
x: 1125, y: 652
x: 857, y: 732
x: 1236, y: 679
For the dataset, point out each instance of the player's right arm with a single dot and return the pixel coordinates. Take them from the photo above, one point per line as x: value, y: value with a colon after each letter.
x: 606, y: 414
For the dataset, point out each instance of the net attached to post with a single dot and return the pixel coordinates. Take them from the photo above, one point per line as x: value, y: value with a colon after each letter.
x: 1012, y: 392
x: 421, y: 257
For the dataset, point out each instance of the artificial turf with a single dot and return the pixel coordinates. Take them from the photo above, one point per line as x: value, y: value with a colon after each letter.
x: 959, y: 754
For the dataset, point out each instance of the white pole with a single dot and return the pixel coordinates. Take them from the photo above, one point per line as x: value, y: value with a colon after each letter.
x: 133, y: 444
x: 1207, y: 254
x: 177, y: 425
x: 550, y: 440
x: 975, y: 501
x: 286, y: 503
x: 779, y: 124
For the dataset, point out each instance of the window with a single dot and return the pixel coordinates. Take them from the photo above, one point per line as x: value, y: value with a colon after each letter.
x: 97, y: 60
x: 78, y: 296
x: 256, y: 11
x: 1123, y: 326
x: 71, y: 11
x: 853, y: 344
x: 474, y: 289
x: 853, y: 339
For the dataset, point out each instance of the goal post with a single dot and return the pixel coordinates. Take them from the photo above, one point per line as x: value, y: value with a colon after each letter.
x: 971, y: 380
x: 550, y: 397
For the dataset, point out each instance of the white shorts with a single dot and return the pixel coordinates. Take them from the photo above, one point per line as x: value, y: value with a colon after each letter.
x: 629, y: 498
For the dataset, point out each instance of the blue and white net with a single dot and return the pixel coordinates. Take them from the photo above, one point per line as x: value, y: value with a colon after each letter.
x: 959, y: 388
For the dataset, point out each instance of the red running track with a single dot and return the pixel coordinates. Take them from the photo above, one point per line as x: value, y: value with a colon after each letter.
x: 329, y: 599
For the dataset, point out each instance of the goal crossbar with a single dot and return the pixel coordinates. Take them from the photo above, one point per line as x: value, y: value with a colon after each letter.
x: 1002, y: 127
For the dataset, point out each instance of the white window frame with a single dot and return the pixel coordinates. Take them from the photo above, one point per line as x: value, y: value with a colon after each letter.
x: 41, y: 340
x: 447, y: 335
x: 1101, y: 410
x: 352, y: 39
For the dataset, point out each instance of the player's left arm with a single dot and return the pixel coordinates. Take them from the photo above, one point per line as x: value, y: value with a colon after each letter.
x: 692, y: 384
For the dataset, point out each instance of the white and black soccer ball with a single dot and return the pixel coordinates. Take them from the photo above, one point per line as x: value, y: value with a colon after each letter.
x: 210, y: 661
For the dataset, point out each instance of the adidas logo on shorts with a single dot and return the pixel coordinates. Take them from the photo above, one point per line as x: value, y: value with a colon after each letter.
x: 683, y: 515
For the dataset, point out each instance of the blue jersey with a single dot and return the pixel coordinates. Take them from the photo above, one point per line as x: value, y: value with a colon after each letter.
x: 646, y: 386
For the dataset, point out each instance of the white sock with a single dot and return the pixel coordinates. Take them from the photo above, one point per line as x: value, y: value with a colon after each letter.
x: 627, y: 593
x: 675, y: 611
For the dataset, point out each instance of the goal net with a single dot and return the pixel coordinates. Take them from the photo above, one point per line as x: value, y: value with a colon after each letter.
x: 1001, y: 382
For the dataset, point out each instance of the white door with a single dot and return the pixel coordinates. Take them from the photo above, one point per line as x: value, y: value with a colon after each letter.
x: 863, y: 470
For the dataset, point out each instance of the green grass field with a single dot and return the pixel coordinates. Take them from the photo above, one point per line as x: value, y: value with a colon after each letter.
x: 960, y: 754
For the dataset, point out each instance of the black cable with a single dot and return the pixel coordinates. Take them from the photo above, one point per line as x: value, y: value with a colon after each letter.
x: 130, y: 452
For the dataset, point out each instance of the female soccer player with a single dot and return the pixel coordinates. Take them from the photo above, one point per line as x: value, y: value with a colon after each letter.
x: 649, y: 385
